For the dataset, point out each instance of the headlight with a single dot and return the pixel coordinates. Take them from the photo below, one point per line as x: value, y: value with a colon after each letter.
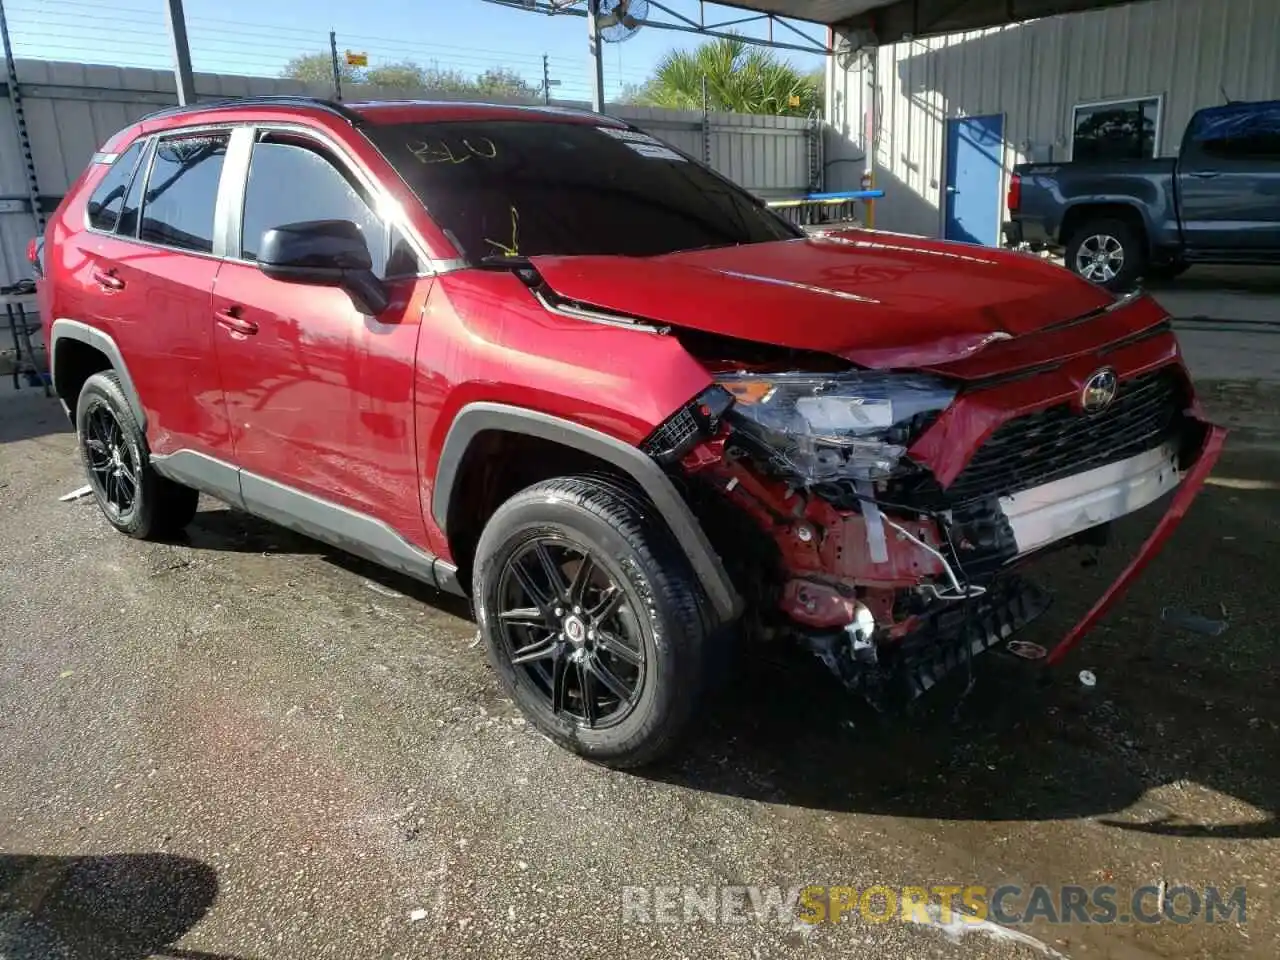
x: 822, y: 427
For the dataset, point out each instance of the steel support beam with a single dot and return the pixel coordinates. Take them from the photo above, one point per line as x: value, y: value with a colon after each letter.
x: 595, y: 45
x: 679, y: 22
x: 181, y: 52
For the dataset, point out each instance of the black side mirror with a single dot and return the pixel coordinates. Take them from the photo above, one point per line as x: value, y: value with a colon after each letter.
x: 326, y: 252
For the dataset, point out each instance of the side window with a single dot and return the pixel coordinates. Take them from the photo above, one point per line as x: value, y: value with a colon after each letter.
x: 182, y: 191
x: 1124, y: 130
x: 128, y: 224
x: 290, y: 182
x: 1249, y: 133
x: 108, y: 197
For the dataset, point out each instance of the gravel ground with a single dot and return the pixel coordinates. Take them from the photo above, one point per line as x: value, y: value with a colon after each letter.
x: 248, y: 746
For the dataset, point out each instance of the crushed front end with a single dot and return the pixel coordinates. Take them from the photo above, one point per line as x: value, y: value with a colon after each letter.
x: 885, y: 517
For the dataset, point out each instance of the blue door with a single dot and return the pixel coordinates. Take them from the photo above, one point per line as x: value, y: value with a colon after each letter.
x: 971, y: 194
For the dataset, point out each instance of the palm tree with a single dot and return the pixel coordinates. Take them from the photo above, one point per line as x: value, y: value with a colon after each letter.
x: 740, y: 78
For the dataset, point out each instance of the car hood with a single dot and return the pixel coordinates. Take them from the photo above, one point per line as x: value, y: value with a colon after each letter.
x: 876, y: 299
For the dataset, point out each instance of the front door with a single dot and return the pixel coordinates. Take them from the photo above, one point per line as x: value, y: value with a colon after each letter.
x: 320, y: 396
x: 1229, y: 181
x: 971, y: 194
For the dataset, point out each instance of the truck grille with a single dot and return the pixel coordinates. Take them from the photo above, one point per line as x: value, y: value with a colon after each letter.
x: 1058, y: 442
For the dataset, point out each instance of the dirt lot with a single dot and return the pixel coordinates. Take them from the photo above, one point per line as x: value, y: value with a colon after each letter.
x: 247, y: 746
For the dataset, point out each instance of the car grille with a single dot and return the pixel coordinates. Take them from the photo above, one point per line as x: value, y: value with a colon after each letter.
x: 1059, y: 442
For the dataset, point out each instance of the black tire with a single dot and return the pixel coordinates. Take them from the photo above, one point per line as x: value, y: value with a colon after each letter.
x: 1096, y: 235
x: 659, y: 613
x: 158, y: 508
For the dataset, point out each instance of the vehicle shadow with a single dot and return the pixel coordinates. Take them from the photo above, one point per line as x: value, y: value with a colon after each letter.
x: 1170, y: 706
x: 27, y: 413
x: 1013, y: 749
x: 224, y: 529
x: 115, y: 907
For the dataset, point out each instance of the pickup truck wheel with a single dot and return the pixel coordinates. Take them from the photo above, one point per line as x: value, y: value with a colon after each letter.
x: 590, y: 615
x: 133, y: 497
x: 1107, y: 252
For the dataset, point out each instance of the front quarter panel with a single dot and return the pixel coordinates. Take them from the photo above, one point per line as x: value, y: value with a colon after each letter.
x: 485, y: 338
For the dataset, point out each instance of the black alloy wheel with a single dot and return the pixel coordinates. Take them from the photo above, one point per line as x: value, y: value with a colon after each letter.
x: 113, y: 446
x: 113, y: 466
x: 568, y: 625
x: 592, y: 619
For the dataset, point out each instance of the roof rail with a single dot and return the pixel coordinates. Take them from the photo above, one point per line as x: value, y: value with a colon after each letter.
x: 317, y: 103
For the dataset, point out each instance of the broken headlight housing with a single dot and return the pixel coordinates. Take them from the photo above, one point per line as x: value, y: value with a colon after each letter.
x: 819, y: 427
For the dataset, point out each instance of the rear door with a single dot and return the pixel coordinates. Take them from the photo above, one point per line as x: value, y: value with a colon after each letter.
x: 1229, y: 181
x: 149, y: 269
x: 320, y: 396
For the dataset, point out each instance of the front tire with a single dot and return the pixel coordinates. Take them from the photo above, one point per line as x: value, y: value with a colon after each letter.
x: 133, y: 497
x: 590, y: 615
x: 1109, y: 252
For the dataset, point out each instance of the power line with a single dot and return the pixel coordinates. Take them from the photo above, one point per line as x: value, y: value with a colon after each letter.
x: 78, y: 30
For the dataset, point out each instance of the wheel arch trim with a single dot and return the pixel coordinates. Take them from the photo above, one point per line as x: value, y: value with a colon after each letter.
x: 1083, y: 209
x: 476, y: 418
x: 66, y: 329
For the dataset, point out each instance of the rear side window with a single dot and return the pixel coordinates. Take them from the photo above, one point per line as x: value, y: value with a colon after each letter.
x: 1241, y: 133
x: 290, y: 183
x: 107, y: 198
x: 128, y: 224
x: 182, y: 191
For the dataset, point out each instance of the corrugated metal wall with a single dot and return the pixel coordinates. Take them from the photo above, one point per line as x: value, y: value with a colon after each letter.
x: 72, y: 108
x: 1187, y: 51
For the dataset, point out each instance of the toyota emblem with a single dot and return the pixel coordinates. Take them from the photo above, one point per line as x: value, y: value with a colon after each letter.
x: 1099, y: 390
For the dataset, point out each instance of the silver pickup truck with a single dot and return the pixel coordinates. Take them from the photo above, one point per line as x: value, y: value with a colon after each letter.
x: 1115, y: 221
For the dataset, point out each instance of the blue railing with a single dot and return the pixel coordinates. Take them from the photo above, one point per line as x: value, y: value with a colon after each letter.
x: 814, y: 208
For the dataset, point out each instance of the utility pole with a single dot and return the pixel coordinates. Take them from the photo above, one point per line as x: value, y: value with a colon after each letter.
x: 597, y: 55
x: 546, y: 81
x: 181, y: 53
x: 337, y: 71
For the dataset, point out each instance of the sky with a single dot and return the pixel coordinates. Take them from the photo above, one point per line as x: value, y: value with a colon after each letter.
x: 259, y: 36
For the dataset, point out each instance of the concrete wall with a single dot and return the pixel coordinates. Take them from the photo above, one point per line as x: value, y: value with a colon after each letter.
x: 1186, y: 51
x: 72, y: 108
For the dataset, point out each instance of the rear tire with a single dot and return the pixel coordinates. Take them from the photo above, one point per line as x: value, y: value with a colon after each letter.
x: 1108, y: 252
x: 135, y: 499
x: 591, y: 617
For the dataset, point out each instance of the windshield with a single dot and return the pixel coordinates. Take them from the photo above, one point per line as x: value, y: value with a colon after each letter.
x: 528, y: 188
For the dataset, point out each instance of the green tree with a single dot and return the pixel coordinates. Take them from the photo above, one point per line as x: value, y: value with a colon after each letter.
x: 449, y: 81
x: 318, y: 68
x: 501, y: 82
x: 405, y: 74
x: 740, y: 77
x: 496, y: 82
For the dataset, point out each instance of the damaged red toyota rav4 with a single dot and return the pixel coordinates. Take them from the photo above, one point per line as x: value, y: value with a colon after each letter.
x: 539, y: 358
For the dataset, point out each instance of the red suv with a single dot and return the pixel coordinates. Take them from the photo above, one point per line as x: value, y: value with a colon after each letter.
x: 539, y: 358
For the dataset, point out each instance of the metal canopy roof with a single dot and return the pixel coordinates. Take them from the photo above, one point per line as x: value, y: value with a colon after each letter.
x: 890, y: 20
